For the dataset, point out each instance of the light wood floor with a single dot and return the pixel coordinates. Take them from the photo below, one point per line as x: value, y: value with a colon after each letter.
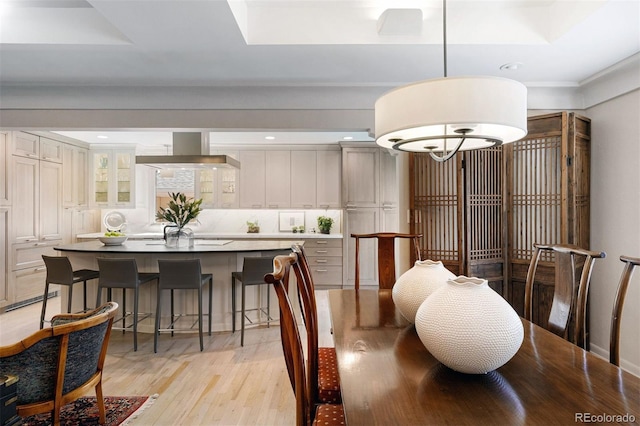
x: 226, y: 384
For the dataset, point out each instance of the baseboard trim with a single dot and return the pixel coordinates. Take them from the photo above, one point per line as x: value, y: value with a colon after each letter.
x: 604, y: 354
x: 27, y: 302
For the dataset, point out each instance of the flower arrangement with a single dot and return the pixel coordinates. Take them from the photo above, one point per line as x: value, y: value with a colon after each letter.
x: 181, y: 210
x: 253, y: 227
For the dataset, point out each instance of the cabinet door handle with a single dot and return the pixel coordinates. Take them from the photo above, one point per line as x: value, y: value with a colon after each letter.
x: 42, y: 268
x: 324, y: 206
x: 256, y: 206
x: 321, y: 261
x: 31, y: 155
x: 321, y: 270
x: 321, y: 242
x: 322, y: 251
x: 307, y: 206
x: 40, y: 244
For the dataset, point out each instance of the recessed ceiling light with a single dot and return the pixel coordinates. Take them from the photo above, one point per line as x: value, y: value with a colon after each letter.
x: 347, y: 138
x: 269, y: 138
x: 511, y: 66
x: 103, y: 137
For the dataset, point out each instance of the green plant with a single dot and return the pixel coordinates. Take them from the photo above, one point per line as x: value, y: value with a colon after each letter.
x: 324, y: 224
x: 253, y: 227
x: 181, y: 210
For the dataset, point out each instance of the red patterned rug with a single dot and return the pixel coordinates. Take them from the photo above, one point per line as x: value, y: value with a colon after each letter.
x: 84, y: 411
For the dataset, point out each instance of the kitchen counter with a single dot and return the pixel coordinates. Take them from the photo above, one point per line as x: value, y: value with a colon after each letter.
x: 219, y: 235
x: 219, y: 259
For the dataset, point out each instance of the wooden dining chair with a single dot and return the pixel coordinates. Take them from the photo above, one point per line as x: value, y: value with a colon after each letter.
x: 324, y: 414
x: 614, y: 346
x: 322, y: 362
x: 569, y: 296
x: 386, y: 256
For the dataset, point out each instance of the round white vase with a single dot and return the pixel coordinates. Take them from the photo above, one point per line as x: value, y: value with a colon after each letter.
x: 416, y: 284
x: 469, y: 327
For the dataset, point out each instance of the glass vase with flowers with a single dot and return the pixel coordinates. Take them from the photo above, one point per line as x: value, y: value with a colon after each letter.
x: 179, y: 212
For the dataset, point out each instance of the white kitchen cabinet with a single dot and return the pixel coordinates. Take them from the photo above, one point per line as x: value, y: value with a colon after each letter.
x: 303, y: 179
x: 329, y: 180
x: 5, y: 292
x: 5, y: 168
x: 371, y: 205
x: 325, y: 261
x: 74, y: 176
x: 50, y: 150
x: 50, y: 210
x: 278, y: 179
x: 113, y: 178
x: 26, y: 145
x: 388, y: 180
x: 26, y: 199
x: 360, y: 174
x: 252, y: 180
x: 361, y: 221
x: 37, y: 200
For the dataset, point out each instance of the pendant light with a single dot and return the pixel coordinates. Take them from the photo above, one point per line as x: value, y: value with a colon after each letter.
x: 445, y: 115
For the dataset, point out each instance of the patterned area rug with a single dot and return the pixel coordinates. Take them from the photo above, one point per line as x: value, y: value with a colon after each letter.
x: 84, y: 411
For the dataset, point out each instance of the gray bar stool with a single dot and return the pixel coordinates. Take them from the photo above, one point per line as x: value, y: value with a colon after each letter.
x: 60, y: 272
x: 182, y: 275
x: 123, y: 273
x: 253, y: 271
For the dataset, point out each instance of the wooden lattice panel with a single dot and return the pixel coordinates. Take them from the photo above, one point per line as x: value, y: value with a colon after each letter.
x: 535, y: 196
x: 435, y: 207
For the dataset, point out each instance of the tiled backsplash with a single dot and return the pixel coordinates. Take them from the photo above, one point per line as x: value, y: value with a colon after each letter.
x: 229, y: 221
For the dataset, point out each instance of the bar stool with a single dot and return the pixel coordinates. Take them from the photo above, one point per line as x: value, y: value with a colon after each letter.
x: 181, y: 275
x: 60, y: 272
x: 253, y: 271
x: 123, y: 273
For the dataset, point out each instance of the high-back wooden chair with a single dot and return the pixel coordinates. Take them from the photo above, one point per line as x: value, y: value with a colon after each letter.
x: 59, y: 364
x: 322, y: 363
x: 614, y: 346
x: 565, y: 301
x: 294, y: 353
x: 386, y: 256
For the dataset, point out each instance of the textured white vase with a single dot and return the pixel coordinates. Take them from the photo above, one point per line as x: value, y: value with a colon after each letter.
x: 469, y: 327
x: 416, y: 284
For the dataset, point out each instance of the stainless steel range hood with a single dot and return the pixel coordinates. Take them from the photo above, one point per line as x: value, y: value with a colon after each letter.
x: 190, y: 150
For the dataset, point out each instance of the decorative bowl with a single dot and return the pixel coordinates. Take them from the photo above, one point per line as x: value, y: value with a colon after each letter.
x: 113, y: 241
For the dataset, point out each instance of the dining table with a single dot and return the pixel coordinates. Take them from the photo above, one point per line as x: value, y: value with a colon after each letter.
x: 388, y: 377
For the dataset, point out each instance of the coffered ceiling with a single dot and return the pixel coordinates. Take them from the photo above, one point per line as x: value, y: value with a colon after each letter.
x: 270, y: 54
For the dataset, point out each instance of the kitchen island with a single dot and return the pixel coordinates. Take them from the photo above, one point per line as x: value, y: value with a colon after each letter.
x: 218, y: 257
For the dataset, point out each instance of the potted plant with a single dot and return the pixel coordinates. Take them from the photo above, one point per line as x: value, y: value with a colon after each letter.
x: 253, y: 227
x: 180, y: 211
x: 324, y: 224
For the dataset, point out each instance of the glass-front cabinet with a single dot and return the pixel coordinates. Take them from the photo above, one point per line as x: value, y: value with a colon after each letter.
x: 113, y: 179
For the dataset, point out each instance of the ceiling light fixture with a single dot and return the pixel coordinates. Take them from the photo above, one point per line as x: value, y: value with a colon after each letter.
x: 347, y: 138
x: 269, y: 138
x: 445, y: 115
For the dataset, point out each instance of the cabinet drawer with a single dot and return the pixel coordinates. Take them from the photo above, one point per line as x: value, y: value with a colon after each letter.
x: 29, y: 255
x: 323, y: 275
x: 29, y: 283
x: 322, y: 243
x: 323, y: 251
x: 322, y: 261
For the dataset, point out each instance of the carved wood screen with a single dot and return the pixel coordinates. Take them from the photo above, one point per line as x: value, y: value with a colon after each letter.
x: 481, y: 213
x: 457, y: 207
x: 547, y: 182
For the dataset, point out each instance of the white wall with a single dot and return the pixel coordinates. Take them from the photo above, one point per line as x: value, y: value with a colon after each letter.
x: 615, y: 221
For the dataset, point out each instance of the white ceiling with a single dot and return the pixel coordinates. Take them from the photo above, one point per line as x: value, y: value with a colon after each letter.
x: 191, y: 44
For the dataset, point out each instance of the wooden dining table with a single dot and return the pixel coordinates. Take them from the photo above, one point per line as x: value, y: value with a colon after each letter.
x: 388, y: 377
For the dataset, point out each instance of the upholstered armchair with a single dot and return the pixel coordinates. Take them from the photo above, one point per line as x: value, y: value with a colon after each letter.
x: 59, y: 364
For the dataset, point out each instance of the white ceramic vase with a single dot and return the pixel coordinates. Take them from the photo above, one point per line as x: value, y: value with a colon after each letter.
x: 469, y: 327
x: 416, y: 284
